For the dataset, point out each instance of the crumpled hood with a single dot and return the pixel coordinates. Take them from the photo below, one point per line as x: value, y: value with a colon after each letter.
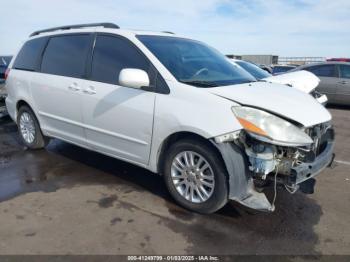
x: 301, y: 80
x: 275, y: 98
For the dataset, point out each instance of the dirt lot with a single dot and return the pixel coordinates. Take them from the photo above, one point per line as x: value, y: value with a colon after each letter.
x: 67, y: 200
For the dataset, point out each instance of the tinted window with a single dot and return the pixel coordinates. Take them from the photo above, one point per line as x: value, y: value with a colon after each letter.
x: 111, y: 55
x: 344, y: 71
x: 66, y: 55
x: 28, y: 57
x: 322, y: 70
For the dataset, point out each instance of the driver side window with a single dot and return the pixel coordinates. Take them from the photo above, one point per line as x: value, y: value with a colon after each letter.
x: 111, y: 55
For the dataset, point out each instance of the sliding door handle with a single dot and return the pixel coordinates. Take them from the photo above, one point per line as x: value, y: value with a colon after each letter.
x: 90, y: 90
x: 74, y: 87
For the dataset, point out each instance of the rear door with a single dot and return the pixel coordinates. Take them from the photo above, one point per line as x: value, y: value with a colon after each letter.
x: 343, y: 84
x: 57, y: 89
x: 118, y: 119
x: 328, y: 75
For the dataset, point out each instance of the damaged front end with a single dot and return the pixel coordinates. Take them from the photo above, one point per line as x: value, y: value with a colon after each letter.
x: 268, y: 162
x: 293, y: 165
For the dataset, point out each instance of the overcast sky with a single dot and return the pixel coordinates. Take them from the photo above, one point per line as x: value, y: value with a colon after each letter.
x: 281, y: 27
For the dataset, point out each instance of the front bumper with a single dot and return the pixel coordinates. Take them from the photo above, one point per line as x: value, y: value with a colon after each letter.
x: 242, y: 180
x: 306, y: 171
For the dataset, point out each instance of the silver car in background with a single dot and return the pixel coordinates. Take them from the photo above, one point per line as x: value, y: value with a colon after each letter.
x: 335, y: 80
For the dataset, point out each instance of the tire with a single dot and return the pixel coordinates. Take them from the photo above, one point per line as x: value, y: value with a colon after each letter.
x: 29, y: 129
x: 216, y: 197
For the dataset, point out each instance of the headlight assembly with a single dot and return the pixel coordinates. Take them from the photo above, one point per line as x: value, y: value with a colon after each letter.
x: 270, y: 128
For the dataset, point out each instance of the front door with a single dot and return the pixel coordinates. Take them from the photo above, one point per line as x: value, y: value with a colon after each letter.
x: 118, y: 120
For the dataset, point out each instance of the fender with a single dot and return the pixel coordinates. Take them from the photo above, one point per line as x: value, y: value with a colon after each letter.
x: 241, y: 185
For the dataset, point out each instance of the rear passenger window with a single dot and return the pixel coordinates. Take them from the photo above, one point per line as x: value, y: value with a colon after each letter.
x: 111, y: 55
x: 66, y: 55
x: 344, y: 71
x: 323, y: 70
x: 29, y: 56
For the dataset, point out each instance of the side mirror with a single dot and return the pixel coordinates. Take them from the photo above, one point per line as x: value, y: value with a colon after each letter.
x: 134, y: 78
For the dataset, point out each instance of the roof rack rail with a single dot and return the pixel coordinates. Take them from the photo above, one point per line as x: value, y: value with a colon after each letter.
x: 168, y: 32
x: 67, y: 27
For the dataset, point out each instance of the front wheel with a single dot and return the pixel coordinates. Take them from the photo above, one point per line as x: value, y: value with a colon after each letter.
x: 195, y: 176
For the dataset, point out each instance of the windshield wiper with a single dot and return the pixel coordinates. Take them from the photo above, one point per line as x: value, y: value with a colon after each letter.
x: 199, y: 83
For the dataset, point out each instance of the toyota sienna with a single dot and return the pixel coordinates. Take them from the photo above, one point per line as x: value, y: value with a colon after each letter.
x: 172, y: 105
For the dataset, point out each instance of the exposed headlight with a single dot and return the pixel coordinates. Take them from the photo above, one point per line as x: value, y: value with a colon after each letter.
x: 270, y: 128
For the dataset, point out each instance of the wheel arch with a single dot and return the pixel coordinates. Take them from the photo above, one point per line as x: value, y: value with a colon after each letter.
x: 22, y: 102
x: 173, y: 138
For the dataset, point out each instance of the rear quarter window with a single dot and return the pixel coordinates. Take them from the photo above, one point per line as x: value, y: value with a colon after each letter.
x: 28, y: 57
x: 66, y: 55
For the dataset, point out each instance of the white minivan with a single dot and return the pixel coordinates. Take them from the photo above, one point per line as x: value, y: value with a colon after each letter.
x: 172, y: 105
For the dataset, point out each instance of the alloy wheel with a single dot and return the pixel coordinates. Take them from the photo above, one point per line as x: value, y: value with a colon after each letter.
x: 27, y: 127
x: 192, y: 176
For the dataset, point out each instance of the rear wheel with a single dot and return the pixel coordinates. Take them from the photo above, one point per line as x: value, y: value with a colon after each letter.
x: 196, y: 176
x: 29, y: 129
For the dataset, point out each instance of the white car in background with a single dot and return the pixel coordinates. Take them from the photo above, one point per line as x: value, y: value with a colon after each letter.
x: 172, y: 105
x: 301, y: 80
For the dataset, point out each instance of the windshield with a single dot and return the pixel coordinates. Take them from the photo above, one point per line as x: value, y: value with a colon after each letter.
x: 253, y: 69
x: 194, y: 63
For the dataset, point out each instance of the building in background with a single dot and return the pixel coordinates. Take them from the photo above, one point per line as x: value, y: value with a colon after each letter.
x: 301, y: 60
x: 285, y: 60
x: 257, y: 59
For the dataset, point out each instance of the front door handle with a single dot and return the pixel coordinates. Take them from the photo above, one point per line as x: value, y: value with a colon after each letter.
x: 90, y: 90
x: 74, y: 87
x: 343, y: 82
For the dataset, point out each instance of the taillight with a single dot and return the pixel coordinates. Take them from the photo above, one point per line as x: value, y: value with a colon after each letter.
x: 7, y: 73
